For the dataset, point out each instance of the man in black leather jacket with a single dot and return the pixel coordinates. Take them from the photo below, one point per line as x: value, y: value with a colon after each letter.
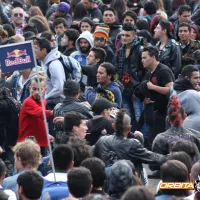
x: 116, y: 147
x: 169, y: 49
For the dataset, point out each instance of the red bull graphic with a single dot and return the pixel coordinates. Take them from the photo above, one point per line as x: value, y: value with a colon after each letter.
x: 17, y: 54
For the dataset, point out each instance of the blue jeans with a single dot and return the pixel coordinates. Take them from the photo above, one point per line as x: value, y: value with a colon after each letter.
x: 135, y: 108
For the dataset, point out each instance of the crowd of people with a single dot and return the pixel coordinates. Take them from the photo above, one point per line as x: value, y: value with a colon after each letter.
x: 116, y: 85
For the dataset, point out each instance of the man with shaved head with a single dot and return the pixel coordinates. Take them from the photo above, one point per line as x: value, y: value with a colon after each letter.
x: 118, y: 146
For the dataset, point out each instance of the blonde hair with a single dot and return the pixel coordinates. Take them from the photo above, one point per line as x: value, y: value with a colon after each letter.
x: 29, y: 153
x: 18, y: 38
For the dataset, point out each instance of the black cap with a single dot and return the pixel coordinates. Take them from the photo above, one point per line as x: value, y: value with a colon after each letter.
x: 100, y: 105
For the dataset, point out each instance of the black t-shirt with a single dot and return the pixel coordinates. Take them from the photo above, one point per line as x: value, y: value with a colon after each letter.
x: 160, y: 77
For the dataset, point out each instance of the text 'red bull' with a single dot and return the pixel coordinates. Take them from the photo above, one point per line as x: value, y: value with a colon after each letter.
x: 177, y: 186
x: 17, y: 61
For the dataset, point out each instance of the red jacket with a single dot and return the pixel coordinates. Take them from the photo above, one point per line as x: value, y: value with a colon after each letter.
x: 31, y: 121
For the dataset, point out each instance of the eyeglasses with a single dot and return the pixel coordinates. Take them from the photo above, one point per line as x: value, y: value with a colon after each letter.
x: 18, y: 14
x: 101, y: 39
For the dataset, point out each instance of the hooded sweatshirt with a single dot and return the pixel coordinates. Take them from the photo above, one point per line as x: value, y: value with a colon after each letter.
x: 78, y: 55
x: 56, y: 81
x: 114, y: 87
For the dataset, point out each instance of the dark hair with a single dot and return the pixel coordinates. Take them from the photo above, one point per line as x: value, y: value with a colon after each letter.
x: 72, y: 119
x: 99, y: 53
x: 120, y: 7
x: 184, y: 8
x: 129, y: 27
x: 32, y: 184
x: 119, y: 121
x: 43, y: 5
x: 197, y: 195
x: 80, y: 11
x: 89, y: 21
x: 80, y: 148
x: 131, y: 14
x: 30, y: 27
x: 41, y: 79
x: 63, y: 156
x: 71, y: 88
x: 154, y: 22
x: 97, y: 169
x: 197, y: 30
x: 109, y: 9
x: 150, y: 7
x: 174, y: 171
x: 72, y: 35
x: 185, y: 24
x: 73, y: 4
x: 145, y: 34
x: 58, y: 21
x: 176, y: 4
x: 152, y: 51
x: 187, y: 146
x: 142, y: 24
x: 43, y: 43
x: 139, y: 193
x: 183, y: 157
x: 40, y: 23
x: 9, y: 29
x: 176, y: 112
x: 2, y: 167
x: 47, y: 35
x: 79, y: 181
x: 188, y: 70
x: 110, y: 69
x: 168, y: 26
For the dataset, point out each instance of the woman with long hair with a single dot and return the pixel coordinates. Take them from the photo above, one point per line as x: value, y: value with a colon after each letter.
x: 120, y: 7
x: 34, y: 10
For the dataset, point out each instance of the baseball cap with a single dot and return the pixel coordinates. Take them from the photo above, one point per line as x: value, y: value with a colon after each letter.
x: 101, y: 104
x: 63, y: 7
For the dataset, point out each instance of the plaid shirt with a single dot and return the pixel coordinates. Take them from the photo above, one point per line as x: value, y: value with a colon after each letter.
x: 122, y: 56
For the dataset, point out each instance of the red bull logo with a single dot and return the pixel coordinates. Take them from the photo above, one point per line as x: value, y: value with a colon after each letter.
x: 17, y: 54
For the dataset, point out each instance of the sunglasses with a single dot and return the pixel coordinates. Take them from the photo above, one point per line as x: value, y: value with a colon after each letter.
x: 18, y: 14
x: 101, y: 39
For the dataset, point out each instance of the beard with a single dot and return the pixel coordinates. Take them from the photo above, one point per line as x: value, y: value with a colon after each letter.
x: 85, y: 49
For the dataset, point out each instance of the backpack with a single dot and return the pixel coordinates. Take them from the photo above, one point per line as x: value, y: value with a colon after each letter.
x: 67, y: 66
x: 9, y: 117
x: 54, y: 190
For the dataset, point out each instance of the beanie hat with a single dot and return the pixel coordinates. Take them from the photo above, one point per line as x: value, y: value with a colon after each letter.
x: 63, y: 7
x: 102, y: 32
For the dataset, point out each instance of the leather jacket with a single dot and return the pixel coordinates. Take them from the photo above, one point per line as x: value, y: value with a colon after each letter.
x: 170, y: 55
x: 112, y: 148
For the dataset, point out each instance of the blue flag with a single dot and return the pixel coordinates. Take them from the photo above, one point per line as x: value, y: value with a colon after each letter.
x: 17, y: 56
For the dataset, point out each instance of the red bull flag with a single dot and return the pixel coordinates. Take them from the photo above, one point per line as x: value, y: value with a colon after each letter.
x: 17, y: 56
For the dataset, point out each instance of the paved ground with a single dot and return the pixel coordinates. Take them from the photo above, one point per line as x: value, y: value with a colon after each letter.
x: 152, y: 182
